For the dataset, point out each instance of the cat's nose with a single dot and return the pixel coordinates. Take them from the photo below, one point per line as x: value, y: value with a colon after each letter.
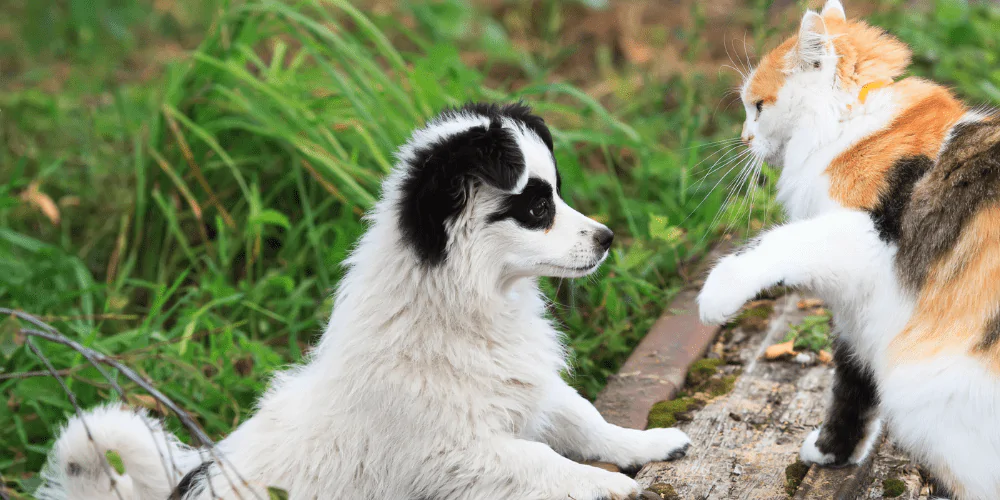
x: 747, y: 139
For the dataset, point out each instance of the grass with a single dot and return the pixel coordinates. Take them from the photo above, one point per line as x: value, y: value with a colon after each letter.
x: 209, y: 162
x: 812, y: 334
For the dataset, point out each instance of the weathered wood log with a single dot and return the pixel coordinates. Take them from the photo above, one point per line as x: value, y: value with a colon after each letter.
x: 744, y: 441
x: 841, y: 483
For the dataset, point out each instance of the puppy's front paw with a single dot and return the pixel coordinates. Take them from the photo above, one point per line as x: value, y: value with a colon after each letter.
x: 664, y: 444
x: 724, y: 293
x: 655, y: 445
x: 672, y: 443
x: 608, y: 486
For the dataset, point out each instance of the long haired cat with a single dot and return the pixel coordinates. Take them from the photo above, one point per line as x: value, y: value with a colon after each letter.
x: 893, y: 193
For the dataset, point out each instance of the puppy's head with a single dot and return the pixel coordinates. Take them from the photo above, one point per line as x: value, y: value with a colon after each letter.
x: 478, y: 188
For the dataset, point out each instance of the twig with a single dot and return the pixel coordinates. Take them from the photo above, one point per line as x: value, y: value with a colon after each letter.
x: 96, y: 358
x: 23, y: 375
x: 79, y: 413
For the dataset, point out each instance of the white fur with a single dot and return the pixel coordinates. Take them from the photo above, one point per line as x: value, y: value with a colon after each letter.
x: 439, y: 383
x: 810, y: 454
x: 942, y: 410
x: 153, y: 460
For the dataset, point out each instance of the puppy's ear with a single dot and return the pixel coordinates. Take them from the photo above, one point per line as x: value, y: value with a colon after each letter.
x: 440, y: 176
x: 495, y: 157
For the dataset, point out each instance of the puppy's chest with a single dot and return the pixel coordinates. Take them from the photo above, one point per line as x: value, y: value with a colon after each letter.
x: 520, y: 376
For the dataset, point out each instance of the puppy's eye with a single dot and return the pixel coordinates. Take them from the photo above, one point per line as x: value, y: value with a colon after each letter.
x: 760, y: 106
x: 540, y: 208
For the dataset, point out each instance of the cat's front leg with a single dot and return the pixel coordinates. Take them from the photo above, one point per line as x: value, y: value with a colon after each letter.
x: 829, y: 254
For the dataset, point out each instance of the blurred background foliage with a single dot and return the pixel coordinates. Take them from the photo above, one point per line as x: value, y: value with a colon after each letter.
x: 180, y: 179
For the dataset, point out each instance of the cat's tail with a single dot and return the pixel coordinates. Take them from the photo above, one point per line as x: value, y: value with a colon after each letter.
x: 115, y: 453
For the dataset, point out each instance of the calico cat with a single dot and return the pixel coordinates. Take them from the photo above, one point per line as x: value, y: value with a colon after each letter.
x: 893, y: 194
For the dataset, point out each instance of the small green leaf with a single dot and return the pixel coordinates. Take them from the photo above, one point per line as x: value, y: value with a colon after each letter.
x: 660, y: 229
x: 272, y: 217
x: 274, y: 493
x: 635, y: 256
x: 10, y: 336
x: 116, y: 461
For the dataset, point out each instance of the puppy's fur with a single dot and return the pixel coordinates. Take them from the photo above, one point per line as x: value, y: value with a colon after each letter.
x: 438, y: 376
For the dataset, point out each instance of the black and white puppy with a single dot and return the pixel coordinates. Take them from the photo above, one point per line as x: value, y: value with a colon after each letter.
x: 438, y: 376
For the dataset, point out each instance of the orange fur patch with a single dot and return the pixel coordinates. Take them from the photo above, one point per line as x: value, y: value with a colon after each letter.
x: 770, y: 74
x: 958, y: 300
x: 858, y: 175
x: 866, y: 54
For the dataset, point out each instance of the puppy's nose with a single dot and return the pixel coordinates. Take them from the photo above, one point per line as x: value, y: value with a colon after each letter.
x: 603, y: 238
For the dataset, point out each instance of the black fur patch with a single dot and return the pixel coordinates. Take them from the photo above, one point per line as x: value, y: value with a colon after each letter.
x: 436, y: 187
x: 992, y: 334
x: 892, y: 204
x: 855, y: 402
x: 965, y: 178
x: 517, y: 111
x: 190, y: 481
x: 537, y: 196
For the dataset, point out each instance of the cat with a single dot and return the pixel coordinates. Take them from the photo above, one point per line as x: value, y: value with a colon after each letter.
x: 892, y: 190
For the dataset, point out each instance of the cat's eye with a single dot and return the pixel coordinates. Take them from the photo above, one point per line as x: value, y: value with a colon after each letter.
x: 539, y: 209
x: 760, y: 106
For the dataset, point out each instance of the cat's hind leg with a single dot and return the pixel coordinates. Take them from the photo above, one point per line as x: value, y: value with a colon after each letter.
x: 852, y: 426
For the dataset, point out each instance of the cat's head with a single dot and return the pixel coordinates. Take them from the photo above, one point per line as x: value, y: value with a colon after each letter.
x: 812, y: 78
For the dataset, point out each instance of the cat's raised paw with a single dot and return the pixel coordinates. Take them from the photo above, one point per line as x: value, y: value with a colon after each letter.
x: 724, y: 293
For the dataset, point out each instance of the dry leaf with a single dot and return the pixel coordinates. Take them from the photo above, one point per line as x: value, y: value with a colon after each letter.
x: 69, y: 201
x: 810, y: 303
x: 636, y: 52
x: 243, y: 366
x: 42, y: 201
x: 780, y: 350
x: 825, y: 357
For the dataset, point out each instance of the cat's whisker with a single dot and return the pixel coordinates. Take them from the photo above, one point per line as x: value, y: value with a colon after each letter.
x: 733, y: 196
x: 729, y: 102
x: 725, y: 150
x: 714, y: 187
x: 754, y: 187
x: 720, y: 164
x: 713, y: 143
x: 730, y: 196
x: 746, y: 54
x: 733, y: 66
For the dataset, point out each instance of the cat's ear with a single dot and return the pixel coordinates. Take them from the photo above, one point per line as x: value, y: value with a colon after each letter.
x: 834, y: 11
x: 814, y: 42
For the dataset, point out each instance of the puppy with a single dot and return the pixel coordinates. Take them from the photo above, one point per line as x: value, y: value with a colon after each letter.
x: 438, y: 376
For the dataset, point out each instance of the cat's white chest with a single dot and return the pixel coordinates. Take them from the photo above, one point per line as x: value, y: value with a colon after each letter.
x: 804, y: 185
